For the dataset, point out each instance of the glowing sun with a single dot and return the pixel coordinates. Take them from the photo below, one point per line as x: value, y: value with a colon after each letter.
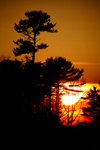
x: 70, y: 99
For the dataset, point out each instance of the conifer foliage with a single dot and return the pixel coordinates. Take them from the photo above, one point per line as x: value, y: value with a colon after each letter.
x: 35, y: 23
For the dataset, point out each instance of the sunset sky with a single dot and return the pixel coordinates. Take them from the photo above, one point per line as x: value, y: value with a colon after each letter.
x: 78, y: 37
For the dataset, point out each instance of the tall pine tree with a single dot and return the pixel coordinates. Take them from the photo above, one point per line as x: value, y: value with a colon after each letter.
x: 35, y: 23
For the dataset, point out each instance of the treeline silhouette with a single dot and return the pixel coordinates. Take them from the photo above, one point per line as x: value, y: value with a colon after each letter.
x: 30, y: 91
x: 25, y: 86
x: 92, y: 110
x: 26, y: 97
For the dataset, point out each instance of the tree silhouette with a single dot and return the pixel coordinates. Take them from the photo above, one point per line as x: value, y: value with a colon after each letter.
x: 30, y: 28
x: 92, y: 111
x: 58, y: 71
x: 11, y: 82
x: 65, y: 72
x: 33, y: 88
x: 48, y: 77
x: 29, y: 84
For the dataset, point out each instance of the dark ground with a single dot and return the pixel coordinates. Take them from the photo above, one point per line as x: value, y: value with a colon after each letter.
x: 51, y: 136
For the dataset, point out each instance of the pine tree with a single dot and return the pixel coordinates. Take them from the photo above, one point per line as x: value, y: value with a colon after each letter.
x: 93, y: 109
x: 35, y: 23
x: 59, y: 71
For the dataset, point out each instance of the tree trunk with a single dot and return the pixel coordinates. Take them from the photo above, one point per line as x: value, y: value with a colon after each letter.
x: 57, y: 99
x: 68, y: 115
x: 72, y: 116
x: 49, y: 100
x: 33, y: 57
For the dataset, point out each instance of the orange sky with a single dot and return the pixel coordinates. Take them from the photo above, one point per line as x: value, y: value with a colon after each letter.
x: 78, y: 37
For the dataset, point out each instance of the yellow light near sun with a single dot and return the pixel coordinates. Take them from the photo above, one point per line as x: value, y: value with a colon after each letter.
x: 71, y: 99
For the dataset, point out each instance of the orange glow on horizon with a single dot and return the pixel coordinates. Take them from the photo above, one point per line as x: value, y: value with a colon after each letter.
x: 73, y: 97
x: 72, y: 104
x: 69, y: 99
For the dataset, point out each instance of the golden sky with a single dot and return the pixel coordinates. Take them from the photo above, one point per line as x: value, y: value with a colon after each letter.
x: 78, y: 37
